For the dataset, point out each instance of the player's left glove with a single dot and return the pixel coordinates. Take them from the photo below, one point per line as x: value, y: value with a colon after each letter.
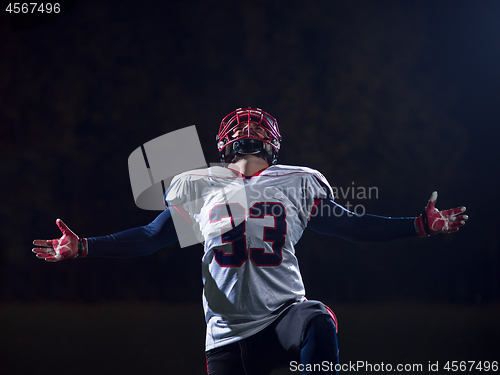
x: 433, y: 221
x: 67, y: 247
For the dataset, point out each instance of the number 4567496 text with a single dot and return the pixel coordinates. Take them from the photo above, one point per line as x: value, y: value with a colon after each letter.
x: 33, y: 8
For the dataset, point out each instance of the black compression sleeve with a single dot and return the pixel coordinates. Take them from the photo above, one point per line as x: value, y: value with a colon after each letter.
x: 332, y: 219
x: 137, y: 241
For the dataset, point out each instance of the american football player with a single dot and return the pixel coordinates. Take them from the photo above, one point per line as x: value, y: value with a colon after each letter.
x: 250, y: 213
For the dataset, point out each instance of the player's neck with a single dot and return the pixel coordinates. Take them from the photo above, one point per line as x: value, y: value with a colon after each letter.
x: 248, y: 165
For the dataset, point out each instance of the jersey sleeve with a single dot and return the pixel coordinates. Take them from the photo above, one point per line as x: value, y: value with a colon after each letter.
x: 304, y: 187
x: 178, y: 191
x: 185, y: 199
x: 320, y: 186
x: 135, y: 242
x: 187, y: 190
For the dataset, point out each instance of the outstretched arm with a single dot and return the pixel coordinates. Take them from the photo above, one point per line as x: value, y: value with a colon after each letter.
x: 129, y: 243
x: 332, y: 219
x: 136, y: 241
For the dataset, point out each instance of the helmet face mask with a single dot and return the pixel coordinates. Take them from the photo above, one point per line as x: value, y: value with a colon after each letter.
x: 249, y: 131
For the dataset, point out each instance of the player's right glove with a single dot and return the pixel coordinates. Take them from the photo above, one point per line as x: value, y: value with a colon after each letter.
x: 433, y: 221
x: 67, y: 247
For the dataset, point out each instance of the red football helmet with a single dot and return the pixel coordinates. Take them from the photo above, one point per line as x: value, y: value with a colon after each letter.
x: 249, y: 141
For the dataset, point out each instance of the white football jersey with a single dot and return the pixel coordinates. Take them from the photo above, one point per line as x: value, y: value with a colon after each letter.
x: 249, y: 227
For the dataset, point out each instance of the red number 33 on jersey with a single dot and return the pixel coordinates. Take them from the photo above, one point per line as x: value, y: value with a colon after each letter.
x: 237, y: 236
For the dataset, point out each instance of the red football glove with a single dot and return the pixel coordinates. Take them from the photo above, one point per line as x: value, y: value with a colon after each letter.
x: 67, y: 247
x: 433, y: 221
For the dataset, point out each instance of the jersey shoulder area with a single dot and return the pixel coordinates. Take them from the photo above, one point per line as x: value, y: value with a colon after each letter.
x: 203, y: 173
x: 191, y: 184
x: 283, y: 170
